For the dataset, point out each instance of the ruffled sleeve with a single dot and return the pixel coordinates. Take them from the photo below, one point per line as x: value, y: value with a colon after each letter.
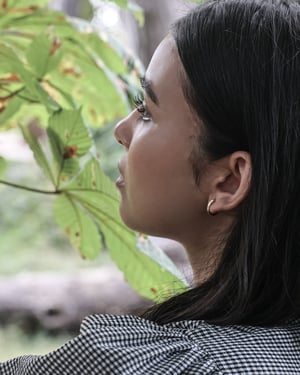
x: 119, y: 345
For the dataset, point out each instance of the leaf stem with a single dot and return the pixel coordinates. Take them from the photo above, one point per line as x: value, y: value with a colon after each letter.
x: 18, y: 94
x: 11, y: 184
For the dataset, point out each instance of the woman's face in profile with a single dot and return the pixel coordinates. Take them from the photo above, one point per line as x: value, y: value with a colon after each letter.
x: 159, y: 195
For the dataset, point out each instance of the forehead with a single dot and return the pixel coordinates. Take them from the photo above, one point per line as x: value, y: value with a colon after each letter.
x: 164, y: 70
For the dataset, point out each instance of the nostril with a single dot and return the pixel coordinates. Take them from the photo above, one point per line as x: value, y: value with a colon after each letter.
x: 117, y: 133
x: 121, y: 136
x: 123, y: 131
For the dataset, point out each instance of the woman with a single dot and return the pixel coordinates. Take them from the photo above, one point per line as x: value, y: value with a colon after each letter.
x: 212, y: 159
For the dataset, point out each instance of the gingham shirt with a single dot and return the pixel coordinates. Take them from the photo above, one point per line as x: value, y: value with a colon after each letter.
x: 130, y: 345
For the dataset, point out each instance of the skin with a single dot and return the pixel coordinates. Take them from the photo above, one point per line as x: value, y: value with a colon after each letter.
x: 159, y: 195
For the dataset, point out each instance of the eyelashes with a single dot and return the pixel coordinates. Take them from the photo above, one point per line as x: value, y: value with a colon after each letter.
x: 141, y: 108
x: 139, y: 103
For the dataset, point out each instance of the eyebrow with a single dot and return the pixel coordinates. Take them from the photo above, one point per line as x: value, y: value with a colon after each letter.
x: 146, y: 85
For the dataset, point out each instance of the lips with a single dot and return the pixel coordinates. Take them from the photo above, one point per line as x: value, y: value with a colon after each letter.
x: 120, y: 180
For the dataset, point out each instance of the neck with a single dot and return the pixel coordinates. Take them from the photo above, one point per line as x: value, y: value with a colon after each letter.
x: 204, y: 251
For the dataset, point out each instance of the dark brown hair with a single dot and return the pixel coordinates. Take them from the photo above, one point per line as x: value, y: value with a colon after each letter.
x: 242, y: 62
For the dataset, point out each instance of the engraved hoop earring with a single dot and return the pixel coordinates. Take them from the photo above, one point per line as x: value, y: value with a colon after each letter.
x: 210, y: 203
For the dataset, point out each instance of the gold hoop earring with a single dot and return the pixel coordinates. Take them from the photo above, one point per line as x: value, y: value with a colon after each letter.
x: 210, y: 203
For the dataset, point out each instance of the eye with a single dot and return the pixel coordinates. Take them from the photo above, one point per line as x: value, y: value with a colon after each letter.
x: 141, y: 108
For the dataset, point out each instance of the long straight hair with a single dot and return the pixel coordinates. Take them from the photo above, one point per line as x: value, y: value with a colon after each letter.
x: 242, y: 78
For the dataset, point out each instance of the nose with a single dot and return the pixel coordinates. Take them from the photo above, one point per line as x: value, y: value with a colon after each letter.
x: 123, y: 131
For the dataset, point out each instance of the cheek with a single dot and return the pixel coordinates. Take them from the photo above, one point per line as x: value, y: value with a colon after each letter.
x: 154, y: 160
x: 156, y: 178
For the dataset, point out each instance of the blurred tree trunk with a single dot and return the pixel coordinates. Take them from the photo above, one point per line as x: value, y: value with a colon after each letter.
x: 59, y: 302
x: 159, y: 15
x: 56, y: 302
x: 74, y: 8
x: 66, y: 6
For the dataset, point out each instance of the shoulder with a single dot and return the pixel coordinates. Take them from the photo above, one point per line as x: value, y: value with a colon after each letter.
x: 121, y: 345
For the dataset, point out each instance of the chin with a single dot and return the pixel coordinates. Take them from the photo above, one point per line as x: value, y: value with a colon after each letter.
x: 127, y: 220
x: 133, y: 225
x: 141, y: 227
x: 152, y: 226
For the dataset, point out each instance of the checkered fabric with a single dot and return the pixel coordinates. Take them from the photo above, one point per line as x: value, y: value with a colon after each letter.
x: 130, y: 345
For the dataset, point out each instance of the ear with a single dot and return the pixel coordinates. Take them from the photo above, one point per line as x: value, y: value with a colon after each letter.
x: 231, y: 184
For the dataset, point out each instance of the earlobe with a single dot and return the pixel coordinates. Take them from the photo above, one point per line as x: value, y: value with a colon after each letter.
x: 232, y: 183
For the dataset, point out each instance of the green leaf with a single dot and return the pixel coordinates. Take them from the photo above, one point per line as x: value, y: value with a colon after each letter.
x: 150, y: 249
x: 32, y: 22
x: 27, y: 113
x: 71, y: 130
x: 37, y: 94
x: 69, y: 139
x: 92, y: 178
x: 142, y: 272
x: 79, y: 227
x: 120, y: 3
x: 38, y: 152
x: 9, y: 61
x: 66, y: 97
x: 98, y: 195
x: 102, y: 53
x: 12, y: 106
x: 43, y: 54
x: 11, y: 10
